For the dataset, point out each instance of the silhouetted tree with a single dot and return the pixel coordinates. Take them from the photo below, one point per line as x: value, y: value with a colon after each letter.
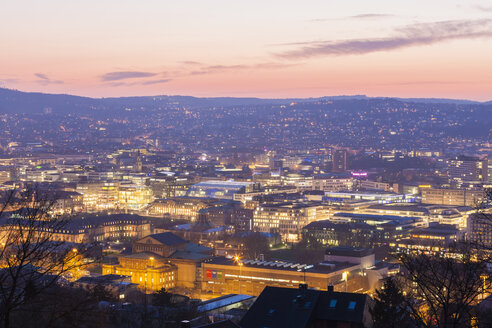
x: 390, y: 309
x: 161, y: 298
x: 31, y: 259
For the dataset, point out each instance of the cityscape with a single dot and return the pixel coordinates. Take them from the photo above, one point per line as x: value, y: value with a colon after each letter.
x: 254, y: 192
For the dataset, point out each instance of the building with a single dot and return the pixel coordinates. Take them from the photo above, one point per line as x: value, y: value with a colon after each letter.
x: 119, y: 286
x: 339, y: 161
x: 376, y: 185
x: 479, y: 229
x: 95, y: 228
x: 333, y: 182
x: 183, y: 207
x: 134, y: 197
x: 373, y: 196
x: 287, y: 219
x: 404, y: 222
x: 326, y: 232
x: 166, y: 258
x: 304, y: 308
x: 221, y: 276
x: 435, y: 240
x: 165, y: 186
x: 221, y: 189
x: 149, y: 271
x: 471, y: 170
x: 99, y: 196
x: 455, y: 197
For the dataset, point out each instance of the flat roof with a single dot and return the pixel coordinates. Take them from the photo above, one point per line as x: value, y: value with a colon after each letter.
x: 349, y: 251
x: 322, y: 267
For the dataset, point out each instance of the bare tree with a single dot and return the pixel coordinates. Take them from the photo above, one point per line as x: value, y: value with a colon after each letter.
x: 443, y: 291
x: 31, y: 260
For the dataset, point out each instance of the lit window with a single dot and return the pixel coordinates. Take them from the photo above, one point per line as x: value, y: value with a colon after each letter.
x: 333, y: 303
x: 351, y: 305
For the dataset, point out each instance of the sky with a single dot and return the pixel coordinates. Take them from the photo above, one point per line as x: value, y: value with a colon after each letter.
x: 267, y: 48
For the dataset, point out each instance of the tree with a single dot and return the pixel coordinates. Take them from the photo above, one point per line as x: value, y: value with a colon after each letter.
x: 255, y: 244
x: 389, y: 309
x: 32, y: 260
x: 448, y: 288
x: 162, y: 298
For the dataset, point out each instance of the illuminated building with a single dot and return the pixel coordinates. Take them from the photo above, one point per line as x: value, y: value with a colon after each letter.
x: 222, y: 275
x: 403, y: 222
x: 221, y: 189
x: 166, y: 257
x: 435, y: 239
x: 479, y: 229
x: 443, y: 214
x: 95, y: 228
x: 226, y: 276
x: 333, y: 182
x: 456, y: 197
x: 301, y: 182
x: 182, y: 207
x: 374, y: 196
x: 355, y: 234
x: 99, y: 196
x: 67, y: 202
x: 151, y: 272
x: 287, y: 219
x: 375, y: 185
x: 134, y: 197
x: 465, y: 169
x: 170, y: 186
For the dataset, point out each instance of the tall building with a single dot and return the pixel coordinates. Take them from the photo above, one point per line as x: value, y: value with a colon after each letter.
x: 464, y: 169
x: 480, y: 229
x: 339, y: 161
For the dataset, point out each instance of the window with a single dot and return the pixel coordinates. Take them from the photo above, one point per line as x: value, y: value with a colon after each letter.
x: 351, y: 305
x: 333, y: 304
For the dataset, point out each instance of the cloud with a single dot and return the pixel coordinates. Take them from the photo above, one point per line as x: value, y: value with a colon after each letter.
x: 123, y: 75
x: 370, y: 16
x: 484, y: 8
x: 45, y: 80
x: 191, y: 63
x: 408, y: 36
x: 360, y: 16
x: 156, y: 81
x: 210, y: 69
x: 41, y: 76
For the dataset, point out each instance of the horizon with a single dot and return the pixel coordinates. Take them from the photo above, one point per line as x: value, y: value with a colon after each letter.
x: 247, y: 97
x: 437, y: 49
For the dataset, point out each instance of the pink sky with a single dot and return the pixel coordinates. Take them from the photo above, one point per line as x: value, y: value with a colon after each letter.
x: 439, y: 48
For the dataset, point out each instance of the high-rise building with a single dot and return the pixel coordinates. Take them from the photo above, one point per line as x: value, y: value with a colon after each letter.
x: 464, y: 169
x: 480, y: 229
x: 339, y: 160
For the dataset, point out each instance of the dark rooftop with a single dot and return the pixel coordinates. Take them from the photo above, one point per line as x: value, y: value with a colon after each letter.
x: 349, y: 251
x: 168, y: 238
x: 289, y: 307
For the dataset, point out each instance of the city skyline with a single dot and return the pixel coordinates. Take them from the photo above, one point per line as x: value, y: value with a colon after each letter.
x: 279, y: 49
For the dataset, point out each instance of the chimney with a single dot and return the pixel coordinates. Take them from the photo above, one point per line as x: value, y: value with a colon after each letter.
x: 330, y: 288
x: 262, y: 257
